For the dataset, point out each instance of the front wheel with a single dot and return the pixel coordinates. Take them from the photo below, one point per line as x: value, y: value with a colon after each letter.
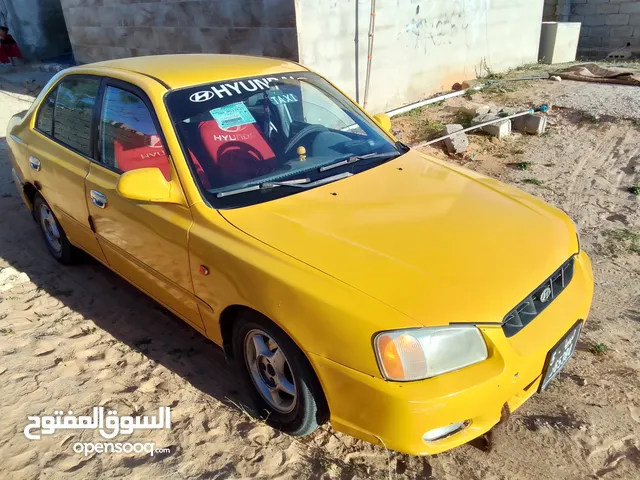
x: 283, y: 384
x: 54, y: 236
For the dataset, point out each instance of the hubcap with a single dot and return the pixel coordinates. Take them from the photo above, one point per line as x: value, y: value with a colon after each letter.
x: 270, y: 371
x: 50, y: 228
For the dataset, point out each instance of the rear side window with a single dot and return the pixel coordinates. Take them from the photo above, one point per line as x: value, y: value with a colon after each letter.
x: 45, y: 114
x: 129, y: 139
x: 74, y: 111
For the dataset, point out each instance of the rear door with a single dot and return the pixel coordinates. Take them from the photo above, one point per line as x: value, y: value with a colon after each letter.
x: 143, y: 241
x: 60, y: 153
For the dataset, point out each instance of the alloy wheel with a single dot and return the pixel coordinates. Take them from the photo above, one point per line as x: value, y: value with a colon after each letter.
x: 270, y: 371
x: 50, y: 228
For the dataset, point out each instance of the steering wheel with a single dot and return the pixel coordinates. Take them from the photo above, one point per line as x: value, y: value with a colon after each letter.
x: 303, y: 133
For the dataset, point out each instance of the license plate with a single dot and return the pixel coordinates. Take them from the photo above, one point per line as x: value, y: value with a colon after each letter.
x: 560, y: 355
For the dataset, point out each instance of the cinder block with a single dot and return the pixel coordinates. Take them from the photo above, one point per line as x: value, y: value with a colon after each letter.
x: 549, y: 12
x: 499, y: 129
x: 587, y: 9
x: 280, y: 42
x: 634, y: 19
x: 618, y: 19
x: 599, y: 31
x: 623, y: 31
x: 533, y: 124
x: 595, y: 20
x: 216, y: 14
x: 630, y: 7
x: 215, y: 40
x: 246, y: 41
x: 278, y: 13
x: 576, y: 18
x: 246, y: 14
x: 615, y: 42
x: 607, y: 8
x: 590, y: 42
x: 457, y: 143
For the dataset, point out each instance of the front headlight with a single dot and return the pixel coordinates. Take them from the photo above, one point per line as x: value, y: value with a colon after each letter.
x: 419, y: 353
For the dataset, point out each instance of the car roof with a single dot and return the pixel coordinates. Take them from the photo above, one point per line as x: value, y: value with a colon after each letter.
x: 183, y: 70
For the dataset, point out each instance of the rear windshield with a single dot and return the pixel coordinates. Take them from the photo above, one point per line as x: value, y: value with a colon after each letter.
x: 242, y: 136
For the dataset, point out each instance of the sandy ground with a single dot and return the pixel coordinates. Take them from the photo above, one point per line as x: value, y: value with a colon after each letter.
x: 76, y: 337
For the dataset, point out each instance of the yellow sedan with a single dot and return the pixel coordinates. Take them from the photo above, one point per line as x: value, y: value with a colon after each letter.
x: 349, y: 278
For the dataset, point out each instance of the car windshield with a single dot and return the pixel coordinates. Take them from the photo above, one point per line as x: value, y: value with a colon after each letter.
x: 256, y: 139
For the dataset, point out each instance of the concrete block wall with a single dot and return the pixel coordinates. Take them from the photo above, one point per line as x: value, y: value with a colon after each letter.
x: 38, y: 26
x: 107, y: 29
x: 607, y: 25
x: 420, y: 46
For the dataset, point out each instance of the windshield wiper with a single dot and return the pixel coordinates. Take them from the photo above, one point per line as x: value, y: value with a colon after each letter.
x: 357, y: 158
x: 296, y: 183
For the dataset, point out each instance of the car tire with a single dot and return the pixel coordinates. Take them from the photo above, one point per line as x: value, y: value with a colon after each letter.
x: 54, y: 237
x: 296, y: 414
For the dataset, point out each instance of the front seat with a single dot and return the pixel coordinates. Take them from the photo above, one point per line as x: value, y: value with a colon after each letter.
x: 240, y: 153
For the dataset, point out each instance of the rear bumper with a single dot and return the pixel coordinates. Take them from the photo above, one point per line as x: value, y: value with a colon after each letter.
x: 397, y: 415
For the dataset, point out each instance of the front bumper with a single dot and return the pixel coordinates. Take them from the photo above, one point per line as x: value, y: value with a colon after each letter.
x: 397, y: 415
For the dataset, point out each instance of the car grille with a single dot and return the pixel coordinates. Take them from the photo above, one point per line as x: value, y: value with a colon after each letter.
x: 538, y: 300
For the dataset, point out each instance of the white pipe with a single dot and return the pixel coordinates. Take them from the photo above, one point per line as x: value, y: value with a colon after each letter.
x: 475, y: 127
x: 422, y: 103
x: 372, y: 27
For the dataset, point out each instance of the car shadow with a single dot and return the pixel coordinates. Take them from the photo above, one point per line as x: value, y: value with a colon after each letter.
x: 115, y: 306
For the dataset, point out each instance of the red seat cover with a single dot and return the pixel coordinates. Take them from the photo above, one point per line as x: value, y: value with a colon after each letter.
x: 149, y: 156
x: 241, y: 153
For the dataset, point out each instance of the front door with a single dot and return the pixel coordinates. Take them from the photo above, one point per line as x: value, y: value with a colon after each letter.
x: 144, y: 242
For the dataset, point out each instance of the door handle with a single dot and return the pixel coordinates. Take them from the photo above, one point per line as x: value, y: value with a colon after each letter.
x: 34, y: 163
x: 98, y: 199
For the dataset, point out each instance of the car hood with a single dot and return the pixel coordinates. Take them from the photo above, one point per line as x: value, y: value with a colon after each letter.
x: 434, y: 241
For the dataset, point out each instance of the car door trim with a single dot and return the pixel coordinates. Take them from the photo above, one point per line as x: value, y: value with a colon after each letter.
x: 155, y: 273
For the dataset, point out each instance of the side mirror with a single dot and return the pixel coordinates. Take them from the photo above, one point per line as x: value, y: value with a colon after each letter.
x: 384, y: 121
x: 144, y: 184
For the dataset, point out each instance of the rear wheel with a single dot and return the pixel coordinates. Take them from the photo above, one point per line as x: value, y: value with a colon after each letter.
x: 54, y: 236
x: 283, y: 384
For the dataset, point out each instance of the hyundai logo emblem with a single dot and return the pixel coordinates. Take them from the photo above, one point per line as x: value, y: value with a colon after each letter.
x: 202, y: 96
x: 545, y: 295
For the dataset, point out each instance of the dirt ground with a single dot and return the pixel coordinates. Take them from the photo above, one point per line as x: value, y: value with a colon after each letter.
x: 78, y: 337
